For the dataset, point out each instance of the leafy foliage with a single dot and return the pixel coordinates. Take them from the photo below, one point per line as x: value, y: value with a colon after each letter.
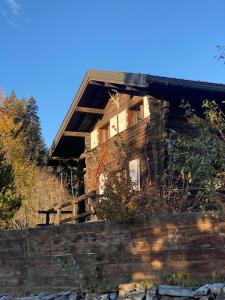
x: 202, y: 159
x: 184, y: 279
x: 20, y: 139
x: 188, y: 176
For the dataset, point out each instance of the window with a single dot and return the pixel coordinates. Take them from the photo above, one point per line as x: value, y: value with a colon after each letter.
x: 122, y: 121
x: 104, y: 131
x: 113, y: 126
x: 118, y: 123
x: 146, y: 107
x: 140, y: 112
x: 94, y: 138
x: 134, y: 171
x: 101, y: 180
x: 136, y: 115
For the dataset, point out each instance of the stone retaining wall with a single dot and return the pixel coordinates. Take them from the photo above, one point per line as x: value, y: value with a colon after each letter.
x: 101, y: 255
x: 135, y: 291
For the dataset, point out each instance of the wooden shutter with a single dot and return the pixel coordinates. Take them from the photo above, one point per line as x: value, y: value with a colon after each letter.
x: 122, y: 120
x: 94, y: 138
x: 146, y: 107
x: 113, y: 126
x: 134, y: 170
x: 101, y: 180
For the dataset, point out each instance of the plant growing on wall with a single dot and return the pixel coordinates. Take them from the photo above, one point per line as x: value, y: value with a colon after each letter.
x: 161, y: 192
x: 187, y: 175
x: 84, y: 279
x: 203, y: 159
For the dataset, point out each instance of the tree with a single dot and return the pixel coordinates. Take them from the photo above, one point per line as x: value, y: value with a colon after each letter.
x: 38, y: 188
x: 26, y: 113
x: 193, y: 176
x: 9, y: 200
x: 35, y: 147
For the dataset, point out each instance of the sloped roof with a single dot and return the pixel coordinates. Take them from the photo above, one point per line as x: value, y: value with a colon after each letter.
x: 94, y: 93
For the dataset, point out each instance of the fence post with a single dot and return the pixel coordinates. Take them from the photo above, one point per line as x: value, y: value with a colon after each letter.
x: 74, y: 209
x: 91, y: 208
x: 47, y: 222
x: 59, y: 215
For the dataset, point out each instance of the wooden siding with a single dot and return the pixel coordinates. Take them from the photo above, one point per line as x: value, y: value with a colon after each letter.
x: 137, y: 138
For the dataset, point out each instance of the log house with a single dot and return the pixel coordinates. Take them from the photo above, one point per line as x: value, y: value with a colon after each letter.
x: 111, y: 107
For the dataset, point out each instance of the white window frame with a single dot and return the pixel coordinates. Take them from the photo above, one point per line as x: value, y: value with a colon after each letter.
x: 146, y: 107
x: 101, y: 180
x: 94, y: 138
x: 122, y: 120
x: 134, y: 172
x: 113, y: 126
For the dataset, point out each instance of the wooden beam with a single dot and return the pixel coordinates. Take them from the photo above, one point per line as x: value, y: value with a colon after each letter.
x: 90, y: 110
x: 121, y: 87
x: 76, y: 133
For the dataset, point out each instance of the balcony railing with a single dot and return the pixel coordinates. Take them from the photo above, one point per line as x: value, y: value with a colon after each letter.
x: 73, y: 210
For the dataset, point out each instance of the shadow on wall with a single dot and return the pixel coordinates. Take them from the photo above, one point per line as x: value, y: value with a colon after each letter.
x: 186, y: 245
x: 107, y: 254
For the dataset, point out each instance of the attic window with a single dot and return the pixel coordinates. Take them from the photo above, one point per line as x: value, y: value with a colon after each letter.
x: 113, y: 130
x: 104, y: 133
x: 122, y: 121
x: 136, y: 115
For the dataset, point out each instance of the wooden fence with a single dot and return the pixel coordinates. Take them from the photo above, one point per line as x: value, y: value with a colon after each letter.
x: 72, y: 208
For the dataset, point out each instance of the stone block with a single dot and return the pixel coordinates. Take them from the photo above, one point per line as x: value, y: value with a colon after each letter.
x: 175, y: 291
x: 151, y: 294
x: 220, y: 297
x: 132, y: 291
x: 112, y: 296
x: 94, y: 296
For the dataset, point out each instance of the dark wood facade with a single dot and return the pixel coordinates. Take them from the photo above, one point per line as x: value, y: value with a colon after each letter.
x: 136, y: 138
x: 86, y: 132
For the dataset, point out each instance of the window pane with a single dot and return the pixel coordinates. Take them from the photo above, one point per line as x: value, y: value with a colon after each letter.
x: 122, y: 121
x: 134, y: 170
x: 113, y: 126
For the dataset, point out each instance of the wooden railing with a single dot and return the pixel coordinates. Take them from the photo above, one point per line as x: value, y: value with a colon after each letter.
x: 75, y: 216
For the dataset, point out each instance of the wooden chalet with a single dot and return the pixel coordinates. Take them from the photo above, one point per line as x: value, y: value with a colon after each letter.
x: 110, y: 106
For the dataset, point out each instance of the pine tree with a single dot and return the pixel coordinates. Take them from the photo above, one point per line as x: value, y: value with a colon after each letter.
x: 26, y: 113
x: 35, y: 147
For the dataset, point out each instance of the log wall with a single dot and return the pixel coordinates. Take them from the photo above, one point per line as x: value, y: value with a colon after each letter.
x: 137, y: 140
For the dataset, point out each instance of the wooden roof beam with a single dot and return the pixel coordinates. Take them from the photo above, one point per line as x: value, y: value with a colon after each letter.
x: 76, y: 134
x: 90, y: 110
x: 120, y: 87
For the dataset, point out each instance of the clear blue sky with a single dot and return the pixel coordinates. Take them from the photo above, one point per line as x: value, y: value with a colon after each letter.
x: 46, y: 46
